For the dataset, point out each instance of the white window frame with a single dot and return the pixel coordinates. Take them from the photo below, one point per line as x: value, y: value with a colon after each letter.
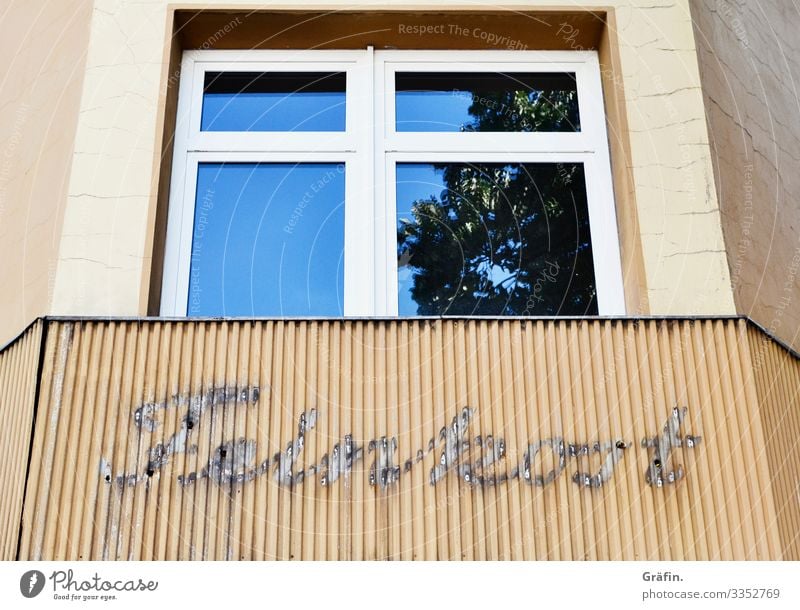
x: 370, y: 148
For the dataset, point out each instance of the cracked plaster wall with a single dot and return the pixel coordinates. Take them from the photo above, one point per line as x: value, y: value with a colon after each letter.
x: 104, y: 255
x: 749, y: 56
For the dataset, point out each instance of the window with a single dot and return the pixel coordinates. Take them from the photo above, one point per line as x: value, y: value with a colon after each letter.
x: 386, y: 183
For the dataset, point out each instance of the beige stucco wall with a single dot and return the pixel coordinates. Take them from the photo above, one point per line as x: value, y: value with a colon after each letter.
x: 750, y: 62
x: 104, y: 257
x: 43, y: 49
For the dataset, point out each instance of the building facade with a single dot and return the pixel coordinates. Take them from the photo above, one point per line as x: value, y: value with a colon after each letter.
x: 392, y: 282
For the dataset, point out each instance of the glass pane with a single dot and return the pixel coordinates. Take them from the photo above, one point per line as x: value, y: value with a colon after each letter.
x: 268, y: 240
x: 274, y: 101
x: 486, y: 101
x: 493, y: 239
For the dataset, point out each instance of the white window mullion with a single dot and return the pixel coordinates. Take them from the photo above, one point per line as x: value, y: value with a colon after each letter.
x: 489, y: 142
x: 359, y: 242
x: 384, y: 248
x: 328, y: 141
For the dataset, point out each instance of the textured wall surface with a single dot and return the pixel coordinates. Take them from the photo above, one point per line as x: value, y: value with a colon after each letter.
x: 43, y: 45
x: 749, y: 56
x: 778, y: 387
x: 104, y: 258
x: 19, y: 367
x: 412, y: 440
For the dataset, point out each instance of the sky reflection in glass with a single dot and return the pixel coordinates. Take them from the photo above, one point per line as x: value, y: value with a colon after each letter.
x: 274, y: 101
x: 268, y: 240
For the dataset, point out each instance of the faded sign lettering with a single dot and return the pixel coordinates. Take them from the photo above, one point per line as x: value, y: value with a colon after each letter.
x: 658, y: 471
x: 476, y: 461
x: 383, y: 472
x: 343, y: 455
x: 455, y: 444
x: 284, y: 462
x: 613, y: 450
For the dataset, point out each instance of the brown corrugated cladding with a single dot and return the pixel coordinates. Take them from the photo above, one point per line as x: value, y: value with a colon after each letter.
x: 19, y: 363
x: 777, y: 377
x: 423, y: 439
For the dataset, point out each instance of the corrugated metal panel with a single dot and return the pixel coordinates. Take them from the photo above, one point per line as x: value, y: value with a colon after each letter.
x: 19, y: 363
x: 777, y: 375
x: 445, y: 439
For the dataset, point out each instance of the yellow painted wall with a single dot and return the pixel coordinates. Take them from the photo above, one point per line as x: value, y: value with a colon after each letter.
x: 105, y: 254
x: 750, y: 67
x: 43, y: 49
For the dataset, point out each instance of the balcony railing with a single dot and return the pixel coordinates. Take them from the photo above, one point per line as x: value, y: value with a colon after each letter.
x: 402, y: 439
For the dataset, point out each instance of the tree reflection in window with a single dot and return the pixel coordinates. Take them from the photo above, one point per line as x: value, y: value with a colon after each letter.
x: 486, y: 102
x: 494, y: 239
